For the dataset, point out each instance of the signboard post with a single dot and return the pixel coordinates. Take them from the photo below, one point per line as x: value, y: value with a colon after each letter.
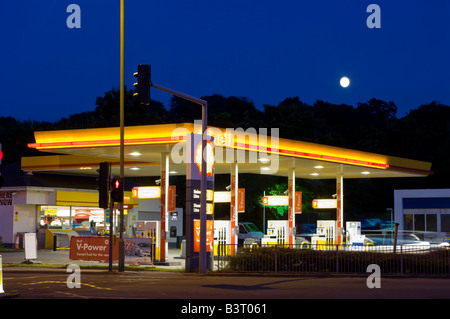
x: 194, y: 199
x: 202, y: 163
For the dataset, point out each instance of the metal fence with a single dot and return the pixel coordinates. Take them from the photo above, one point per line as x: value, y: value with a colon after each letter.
x: 408, y: 259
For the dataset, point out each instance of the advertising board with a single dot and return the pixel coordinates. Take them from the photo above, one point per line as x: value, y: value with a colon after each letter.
x: 92, y: 249
x: 137, y: 250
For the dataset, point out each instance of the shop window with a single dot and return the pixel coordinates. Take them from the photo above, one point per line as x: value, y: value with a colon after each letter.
x: 409, y: 222
x: 431, y: 222
x: 445, y: 223
x: 419, y: 222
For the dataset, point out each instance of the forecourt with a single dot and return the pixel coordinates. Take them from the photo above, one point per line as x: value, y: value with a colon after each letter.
x: 156, y: 150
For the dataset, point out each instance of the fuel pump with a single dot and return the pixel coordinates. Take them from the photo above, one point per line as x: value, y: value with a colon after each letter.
x: 277, y: 233
x: 150, y: 229
x: 325, y: 236
x: 222, y: 237
x: 353, y: 234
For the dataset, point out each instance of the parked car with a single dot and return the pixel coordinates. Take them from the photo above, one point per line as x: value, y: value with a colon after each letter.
x: 249, y: 230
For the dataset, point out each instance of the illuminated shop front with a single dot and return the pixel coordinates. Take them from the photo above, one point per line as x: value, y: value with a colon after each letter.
x: 79, y: 211
x: 76, y: 218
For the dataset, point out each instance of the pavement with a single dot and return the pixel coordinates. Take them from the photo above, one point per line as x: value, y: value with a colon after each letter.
x: 61, y: 257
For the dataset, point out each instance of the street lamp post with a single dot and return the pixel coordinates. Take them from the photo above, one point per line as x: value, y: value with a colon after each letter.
x: 122, y: 116
x: 204, y: 104
x: 202, y: 254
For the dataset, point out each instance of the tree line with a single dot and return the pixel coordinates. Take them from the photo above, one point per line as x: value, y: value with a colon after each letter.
x: 372, y: 126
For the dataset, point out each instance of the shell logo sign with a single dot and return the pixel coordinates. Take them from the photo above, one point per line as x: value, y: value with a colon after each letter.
x: 209, y: 153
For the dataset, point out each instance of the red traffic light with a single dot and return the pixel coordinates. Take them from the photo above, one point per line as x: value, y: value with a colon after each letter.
x: 116, y: 190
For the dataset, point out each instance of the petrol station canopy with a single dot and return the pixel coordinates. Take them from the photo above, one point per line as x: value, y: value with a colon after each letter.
x: 79, y: 152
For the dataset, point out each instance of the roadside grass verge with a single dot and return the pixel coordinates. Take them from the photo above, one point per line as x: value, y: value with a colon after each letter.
x: 95, y: 267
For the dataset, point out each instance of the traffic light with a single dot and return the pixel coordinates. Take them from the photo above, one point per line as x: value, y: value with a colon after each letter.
x: 143, y: 83
x: 103, y: 185
x: 116, y: 190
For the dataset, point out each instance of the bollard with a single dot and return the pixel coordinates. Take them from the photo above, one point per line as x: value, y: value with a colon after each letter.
x: 1, y: 276
x: 55, y: 240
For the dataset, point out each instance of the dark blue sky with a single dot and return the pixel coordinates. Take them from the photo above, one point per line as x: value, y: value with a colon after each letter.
x: 263, y: 50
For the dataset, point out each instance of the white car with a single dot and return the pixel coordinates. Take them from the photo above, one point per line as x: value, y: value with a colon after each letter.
x: 249, y: 230
x: 406, y: 242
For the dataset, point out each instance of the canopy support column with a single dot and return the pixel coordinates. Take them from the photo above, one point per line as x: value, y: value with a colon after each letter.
x: 164, y: 200
x: 291, y: 209
x: 233, y: 207
x: 340, y: 204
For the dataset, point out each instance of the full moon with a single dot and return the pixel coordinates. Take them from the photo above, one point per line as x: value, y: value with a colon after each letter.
x: 345, y: 81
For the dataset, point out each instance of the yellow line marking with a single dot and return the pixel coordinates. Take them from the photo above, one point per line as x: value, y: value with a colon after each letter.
x: 63, y: 282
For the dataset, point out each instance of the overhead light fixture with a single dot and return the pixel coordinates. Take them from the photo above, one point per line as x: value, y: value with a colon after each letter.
x: 135, y: 154
x: 314, y: 174
x: 173, y: 172
x: 263, y: 160
x: 318, y: 166
x: 134, y: 168
x: 265, y: 168
x: 365, y: 173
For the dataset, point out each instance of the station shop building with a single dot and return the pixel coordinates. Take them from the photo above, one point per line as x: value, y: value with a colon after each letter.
x: 62, y: 205
x: 150, y: 150
x: 424, y: 210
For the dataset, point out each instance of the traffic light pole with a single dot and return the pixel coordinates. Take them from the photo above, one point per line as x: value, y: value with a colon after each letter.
x: 203, y: 264
x: 111, y: 233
